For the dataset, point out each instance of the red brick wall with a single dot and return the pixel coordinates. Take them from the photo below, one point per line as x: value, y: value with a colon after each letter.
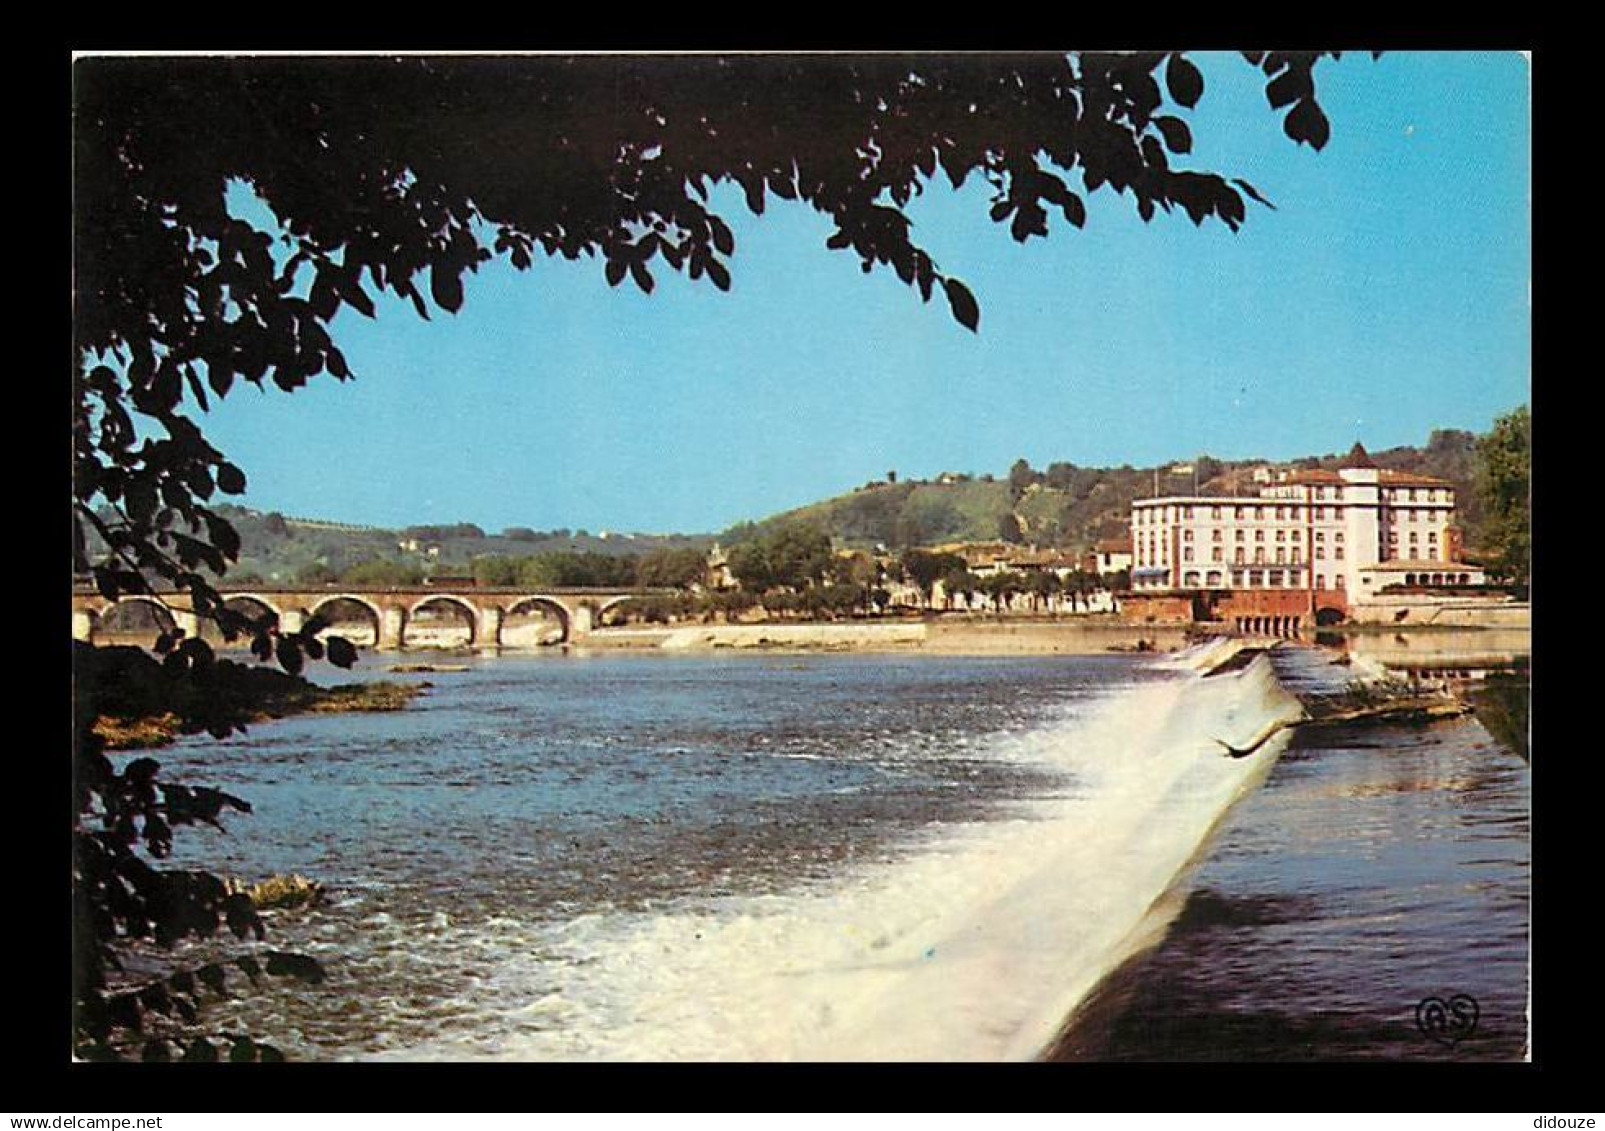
x: 1157, y: 608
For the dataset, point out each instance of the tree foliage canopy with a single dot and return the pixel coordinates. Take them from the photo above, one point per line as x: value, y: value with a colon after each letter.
x: 1504, y: 487
x: 403, y: 174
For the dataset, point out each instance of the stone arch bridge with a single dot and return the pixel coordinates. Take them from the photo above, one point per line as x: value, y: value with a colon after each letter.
x: 385, y: 619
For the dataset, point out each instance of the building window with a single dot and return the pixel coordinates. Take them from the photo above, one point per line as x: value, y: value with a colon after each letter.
x: 1338, y: 554
x: 1214, y: 578
x: 1319, y: 536
x: 1338, y: 537
x: 1259, y: 555
x: 1255, y: 578
x: 1320, y: 552
x: 1215, y: 535
x: 1273, y: 577
x: 1216, y: 514
x: 1241, y: 535
x: 1240, y: 559
x: 1296, y: 558
x: 1187, y: 554
x: 1320, y: 581
x: 1295, y: 513
x: 1281, y: 536
x: 1340, y: 582
x: 1239, y: 513
x: 1217, y: 555
x: 1259, y: 535
x: 1281, y: 555
x: 1186, y: 535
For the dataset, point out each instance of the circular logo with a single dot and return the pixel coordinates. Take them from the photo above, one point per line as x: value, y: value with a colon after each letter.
x: 1448, y: 1022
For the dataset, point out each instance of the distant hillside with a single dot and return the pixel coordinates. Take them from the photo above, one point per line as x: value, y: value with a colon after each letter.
x: 277, y: 548
x: 1063, y: 506
x: 1068, y: 506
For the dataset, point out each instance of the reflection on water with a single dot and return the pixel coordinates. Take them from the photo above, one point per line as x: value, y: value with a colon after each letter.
x: 1435, y: 649
x: 1376, y: 868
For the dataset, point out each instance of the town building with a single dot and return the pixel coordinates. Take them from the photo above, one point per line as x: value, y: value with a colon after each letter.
x: 1310, y: 540
x: 1108, y: 556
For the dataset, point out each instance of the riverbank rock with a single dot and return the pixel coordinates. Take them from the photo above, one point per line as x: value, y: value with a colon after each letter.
x: 280, y: 892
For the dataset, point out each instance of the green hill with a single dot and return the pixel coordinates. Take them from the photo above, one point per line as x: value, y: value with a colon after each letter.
x: 1063, y: 506
x: 1068, y: 506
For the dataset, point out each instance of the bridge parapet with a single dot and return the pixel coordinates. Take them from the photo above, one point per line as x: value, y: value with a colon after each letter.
x: 390, y: 611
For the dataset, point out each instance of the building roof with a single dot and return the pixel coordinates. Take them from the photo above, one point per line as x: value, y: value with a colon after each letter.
x: 1113, y: 546
x: 1315, y: 475
x: 1358, y: 457
x: 1412, y: 479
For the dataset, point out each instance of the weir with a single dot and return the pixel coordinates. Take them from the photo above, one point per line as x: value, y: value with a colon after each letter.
x: 977, y: 947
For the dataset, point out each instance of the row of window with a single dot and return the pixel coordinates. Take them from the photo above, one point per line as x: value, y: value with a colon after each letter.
x: 1254, y: 579
x: 1259, y: 512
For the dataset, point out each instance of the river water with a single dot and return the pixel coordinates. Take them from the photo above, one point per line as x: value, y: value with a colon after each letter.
x: 826, y: 857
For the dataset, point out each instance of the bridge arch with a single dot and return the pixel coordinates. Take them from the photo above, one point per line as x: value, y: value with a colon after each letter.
x: 248, y: 605
x: 331, y: 608
x: 517, y: 629
x: 1327, y: 616
x: 134, y: 615
x: 422, y: 628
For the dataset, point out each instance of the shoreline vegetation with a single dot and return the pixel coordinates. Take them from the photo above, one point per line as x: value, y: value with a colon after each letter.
x: 137, y: 704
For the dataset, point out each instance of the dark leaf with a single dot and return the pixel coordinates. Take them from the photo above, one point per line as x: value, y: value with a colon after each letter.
x: 717, y: 272
x: 615, y: 272
x: 230, y: 479
x: 1253, y: 192
x: 1176, y: 134
x: 1289, y: 86
x: 963, y: 304
x: 342, y: 653
x: 1184, y: 81
x: 446, y: 286
x: 1306, y: 122
x: 289, y: 654
x: 351, y: 290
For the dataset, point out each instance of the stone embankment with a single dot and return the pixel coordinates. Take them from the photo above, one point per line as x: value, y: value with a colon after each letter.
x: 940, y: 637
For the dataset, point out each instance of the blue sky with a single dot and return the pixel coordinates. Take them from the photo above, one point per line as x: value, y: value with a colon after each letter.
x: 1387, y: 295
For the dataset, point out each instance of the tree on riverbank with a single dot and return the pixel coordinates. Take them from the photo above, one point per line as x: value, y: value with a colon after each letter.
x: 1504, y: 489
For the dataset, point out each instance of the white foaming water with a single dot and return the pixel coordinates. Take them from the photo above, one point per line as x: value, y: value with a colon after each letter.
x: 977, y: 948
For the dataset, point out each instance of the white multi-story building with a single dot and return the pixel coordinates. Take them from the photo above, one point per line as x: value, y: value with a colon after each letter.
x: 1340, y: 536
